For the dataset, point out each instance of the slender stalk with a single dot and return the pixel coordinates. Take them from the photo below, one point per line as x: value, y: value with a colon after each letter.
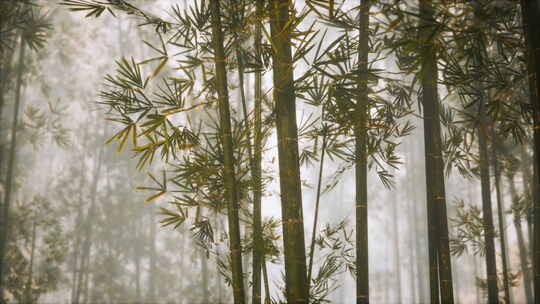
x: 266, y: 284
x: 85, y: 294
x: 239, y: 14
x: 204, y: 262
x: 10, y: 172
x: 135, y: 224
x: 360, y: 135
x: 317, y: 202
x: 151, y: 297
x: 500, y: 210
x: 258, y: 246
x: 217, y: 255
x: 296, y: 284
x: 413, y: 255
x: 137, y: 257
x: 528, y: 184
x: 228, y: 168
x: 76, y: 254
x: 28, y: 288
x: 523, y: 256
x: 489, y: 231
x: 421, y: 251
x: 204, y: 270
x: 412, y: 229
x: 531, y: 194
x: 397, y: 254
x: 78, y: 221
x: 77, y: 245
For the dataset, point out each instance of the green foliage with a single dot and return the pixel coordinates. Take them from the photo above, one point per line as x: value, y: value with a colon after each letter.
x: 469, y: 230
x: 389, y: 99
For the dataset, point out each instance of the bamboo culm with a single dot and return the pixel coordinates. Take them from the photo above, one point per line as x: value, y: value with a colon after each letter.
x: 228, y: 168
x: 296, y: 284
x: 360, y: 134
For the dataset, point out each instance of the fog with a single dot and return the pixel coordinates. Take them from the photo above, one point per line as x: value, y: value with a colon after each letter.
x: 126, y: 201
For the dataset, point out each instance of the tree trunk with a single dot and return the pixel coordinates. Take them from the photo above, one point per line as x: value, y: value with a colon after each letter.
x: 85, y: 296
x: 28, y: 289
x: 10, y: 173
x: 218, y: 275
x: 135, y: 247
x: 413, y: 256
x: 76, y: 250
x: 238, y: 15
x: 500, y: 215
x: 483, y: 132
x: 228, y: 168
x: 78, y: 223
x: 204, y: 270
x: 531, y: 28
x: 439, y: 248
x: 296, y: 284
x: 397, y: 254
x: 266, y: 284
x: 529, y: 179
x: 360, y: 135
x: 136, y: 223
x: 5, y: 72
x: 82, y: 281
x: 182, y: 250
x: 487, y: 214
x: 478, y: 292
x: 523, y: 256
x: 151, y: 297
x: 258, y: 250
x: 137, y: 260
x: 421, y: 246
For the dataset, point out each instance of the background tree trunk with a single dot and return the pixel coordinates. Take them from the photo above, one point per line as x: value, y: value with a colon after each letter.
x: 151, y: 296
x: 411, y: 217
x: 523, y: 256
x: 397, y: 254
x: 5, y: 73
x: 4, y: 237
x: 204, y: 270
x: 82, y: 280
x: 28, y: 289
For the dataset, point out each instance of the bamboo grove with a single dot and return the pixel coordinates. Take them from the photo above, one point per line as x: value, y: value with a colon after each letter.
x: 270, y: 151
